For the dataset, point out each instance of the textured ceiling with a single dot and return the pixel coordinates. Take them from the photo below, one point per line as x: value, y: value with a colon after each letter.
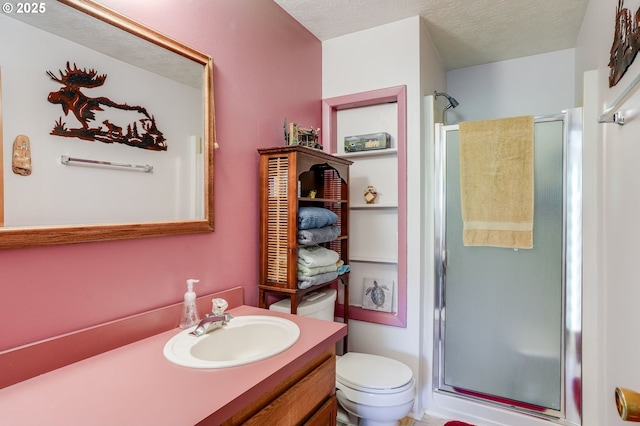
x: 465, y: 32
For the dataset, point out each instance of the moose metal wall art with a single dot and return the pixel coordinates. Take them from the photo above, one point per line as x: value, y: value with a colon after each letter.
x: 626, y: 42
x: 71, y: 98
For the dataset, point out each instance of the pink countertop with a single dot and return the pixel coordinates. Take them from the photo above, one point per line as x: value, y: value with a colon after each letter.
x: 136, y: 385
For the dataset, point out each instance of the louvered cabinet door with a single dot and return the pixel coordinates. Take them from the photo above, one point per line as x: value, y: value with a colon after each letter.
x: 276, y: 216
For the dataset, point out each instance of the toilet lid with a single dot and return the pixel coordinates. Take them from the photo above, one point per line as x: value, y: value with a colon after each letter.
x: 372, y: 372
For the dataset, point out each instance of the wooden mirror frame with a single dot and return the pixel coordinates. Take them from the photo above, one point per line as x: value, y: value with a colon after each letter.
x: 54, y: 235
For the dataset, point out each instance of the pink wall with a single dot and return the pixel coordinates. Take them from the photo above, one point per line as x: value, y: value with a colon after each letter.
x: 267, y: 66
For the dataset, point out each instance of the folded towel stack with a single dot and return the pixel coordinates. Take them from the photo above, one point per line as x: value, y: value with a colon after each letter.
x: 315, y: 256
x: 305, y: 271
x: 317, y: 264
x: 306, y: 282
x: 315, y: 217
x: 318, y: 235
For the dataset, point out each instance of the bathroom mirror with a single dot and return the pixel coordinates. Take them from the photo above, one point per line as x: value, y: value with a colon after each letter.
x: 79, y: 177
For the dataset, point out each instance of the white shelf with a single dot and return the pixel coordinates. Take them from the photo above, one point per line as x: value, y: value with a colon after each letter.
x: 372, y: 153
x: 372, y: 206
x: 371, y: 259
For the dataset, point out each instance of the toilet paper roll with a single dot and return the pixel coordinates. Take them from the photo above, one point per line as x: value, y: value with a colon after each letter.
x: 628, y: 404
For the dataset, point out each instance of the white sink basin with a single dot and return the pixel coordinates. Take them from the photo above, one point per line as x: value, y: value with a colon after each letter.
x: 245, y: 339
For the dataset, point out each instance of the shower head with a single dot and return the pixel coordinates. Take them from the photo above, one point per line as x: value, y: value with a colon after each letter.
x: 452, y: 101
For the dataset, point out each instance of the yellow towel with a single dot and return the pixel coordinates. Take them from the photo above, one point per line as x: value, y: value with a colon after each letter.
x: 496, y: 182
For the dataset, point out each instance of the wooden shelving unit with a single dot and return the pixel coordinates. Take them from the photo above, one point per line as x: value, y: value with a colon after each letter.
x: 292, y: 177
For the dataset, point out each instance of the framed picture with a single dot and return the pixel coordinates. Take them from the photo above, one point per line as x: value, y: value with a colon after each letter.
x: 377, y: 294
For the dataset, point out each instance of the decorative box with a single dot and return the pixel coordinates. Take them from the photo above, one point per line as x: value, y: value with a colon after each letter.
x: 367, y: 142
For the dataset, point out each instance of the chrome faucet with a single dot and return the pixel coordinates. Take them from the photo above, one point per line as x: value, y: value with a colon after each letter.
x: 216, y: 319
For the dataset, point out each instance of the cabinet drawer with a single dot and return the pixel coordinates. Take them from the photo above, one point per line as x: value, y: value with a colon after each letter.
x: 302, y: 400
x: 326, y: 415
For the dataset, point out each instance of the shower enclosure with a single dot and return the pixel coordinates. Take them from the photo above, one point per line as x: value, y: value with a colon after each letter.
x: 508, y: 322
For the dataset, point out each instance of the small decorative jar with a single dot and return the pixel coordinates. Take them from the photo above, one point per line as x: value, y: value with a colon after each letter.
x: 370, y: 194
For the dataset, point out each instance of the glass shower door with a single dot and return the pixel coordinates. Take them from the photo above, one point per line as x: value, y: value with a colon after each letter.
x: 502, y: 311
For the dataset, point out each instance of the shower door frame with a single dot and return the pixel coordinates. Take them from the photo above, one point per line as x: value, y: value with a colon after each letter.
x: 570, y: 394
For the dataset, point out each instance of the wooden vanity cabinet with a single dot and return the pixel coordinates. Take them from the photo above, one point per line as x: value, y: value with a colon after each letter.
x: 307, y: 397
x: 292, y: 177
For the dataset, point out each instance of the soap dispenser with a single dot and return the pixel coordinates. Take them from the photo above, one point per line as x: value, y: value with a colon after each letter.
x: 189, y: 310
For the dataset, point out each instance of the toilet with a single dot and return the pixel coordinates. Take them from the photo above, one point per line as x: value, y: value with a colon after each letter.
x: 372, y: 390
x: 316, y: 304
x: 378, y: 390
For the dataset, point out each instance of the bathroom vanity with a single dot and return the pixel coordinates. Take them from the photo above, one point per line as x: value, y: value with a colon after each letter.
x: 305, y: 397
x: 135, y: 384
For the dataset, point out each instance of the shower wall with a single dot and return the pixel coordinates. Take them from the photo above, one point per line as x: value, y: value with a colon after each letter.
x: 534, y: 85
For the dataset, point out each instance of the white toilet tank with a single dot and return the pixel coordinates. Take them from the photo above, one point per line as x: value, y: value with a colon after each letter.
x: 317, y: 304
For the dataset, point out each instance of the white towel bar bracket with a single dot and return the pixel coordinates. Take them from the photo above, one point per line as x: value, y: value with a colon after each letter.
x: 618, y: 118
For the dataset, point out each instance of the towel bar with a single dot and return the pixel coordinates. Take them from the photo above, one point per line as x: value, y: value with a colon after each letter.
x: 613, y: 113
x: 65, y: 159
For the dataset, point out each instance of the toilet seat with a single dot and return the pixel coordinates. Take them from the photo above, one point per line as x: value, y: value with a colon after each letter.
x: 373, y: 373
x: 395, y: 399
